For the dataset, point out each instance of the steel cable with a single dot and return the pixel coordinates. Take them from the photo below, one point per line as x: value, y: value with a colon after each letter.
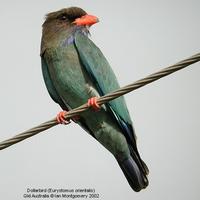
x: 103, y: 99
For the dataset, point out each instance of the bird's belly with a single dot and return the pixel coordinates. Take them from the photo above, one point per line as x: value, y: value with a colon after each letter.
x: 70, y: 79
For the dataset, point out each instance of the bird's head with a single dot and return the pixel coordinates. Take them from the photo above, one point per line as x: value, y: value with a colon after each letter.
x: 60, y: 24
x: 68, y: 17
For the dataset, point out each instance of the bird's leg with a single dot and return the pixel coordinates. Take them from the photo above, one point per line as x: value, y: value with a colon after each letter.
x: 92, y: 102
x: 61, y: 118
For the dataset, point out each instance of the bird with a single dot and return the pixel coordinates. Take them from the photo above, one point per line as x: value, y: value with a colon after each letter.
x: 75, y: 71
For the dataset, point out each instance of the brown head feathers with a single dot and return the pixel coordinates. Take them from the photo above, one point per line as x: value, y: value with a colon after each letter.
x: 70, y: 13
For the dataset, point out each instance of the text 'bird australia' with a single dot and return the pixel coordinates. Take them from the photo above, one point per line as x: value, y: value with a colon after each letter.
x: 75, y: 70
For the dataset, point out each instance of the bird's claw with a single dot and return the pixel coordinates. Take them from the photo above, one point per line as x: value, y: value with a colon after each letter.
x: 61, y: 118
x: 92, y: 102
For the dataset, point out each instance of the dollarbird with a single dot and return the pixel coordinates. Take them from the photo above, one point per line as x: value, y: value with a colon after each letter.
x: 75, y: 71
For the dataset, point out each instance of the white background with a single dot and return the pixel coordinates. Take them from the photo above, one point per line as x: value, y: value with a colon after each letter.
x: 138, y: 38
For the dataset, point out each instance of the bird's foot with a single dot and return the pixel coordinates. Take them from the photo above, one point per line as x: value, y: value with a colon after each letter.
x: 61, y: 118
x: 92, y: 102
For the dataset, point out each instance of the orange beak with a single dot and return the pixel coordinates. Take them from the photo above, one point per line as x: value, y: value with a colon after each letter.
x: 86, y: 20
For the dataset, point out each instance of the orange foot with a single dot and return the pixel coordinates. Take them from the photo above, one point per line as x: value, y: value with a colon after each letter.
x: 61, y: 118
x: 92, y: 102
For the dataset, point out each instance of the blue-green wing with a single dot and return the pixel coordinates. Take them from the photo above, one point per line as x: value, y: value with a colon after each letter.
x: 105, y: 81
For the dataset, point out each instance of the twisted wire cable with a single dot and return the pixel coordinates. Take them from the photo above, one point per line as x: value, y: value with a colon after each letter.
x: 101, y: 100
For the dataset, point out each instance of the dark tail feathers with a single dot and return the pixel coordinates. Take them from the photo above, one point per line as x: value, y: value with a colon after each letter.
x: 136, y: 178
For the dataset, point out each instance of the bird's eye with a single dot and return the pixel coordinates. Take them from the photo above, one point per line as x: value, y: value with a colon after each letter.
x: 63, y: 17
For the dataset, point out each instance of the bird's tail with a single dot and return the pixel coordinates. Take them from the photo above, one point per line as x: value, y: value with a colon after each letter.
x: 135, y: 176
